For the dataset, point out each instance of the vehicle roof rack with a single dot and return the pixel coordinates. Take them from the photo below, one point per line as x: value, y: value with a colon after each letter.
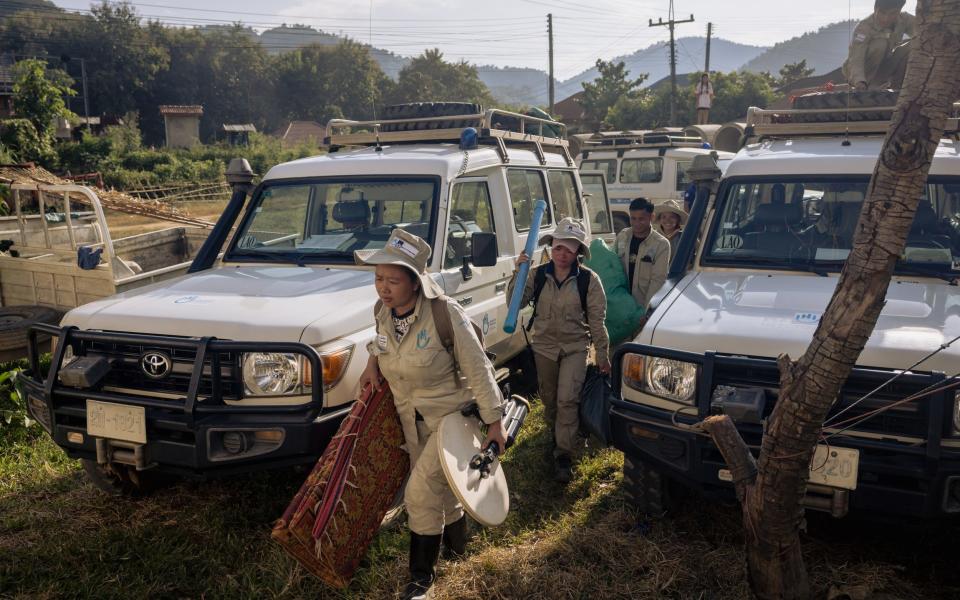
x: 494, y: 126
x: 622, y: 140
x: 871, y: 120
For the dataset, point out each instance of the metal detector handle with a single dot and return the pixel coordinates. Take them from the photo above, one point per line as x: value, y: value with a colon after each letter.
x: 510, y: 324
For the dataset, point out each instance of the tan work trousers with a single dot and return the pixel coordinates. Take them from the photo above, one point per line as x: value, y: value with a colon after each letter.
x: 430, y: 502
x: 561, y: 382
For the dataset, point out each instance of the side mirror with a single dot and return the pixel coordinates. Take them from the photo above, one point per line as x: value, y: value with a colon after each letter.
x: 484, y: 252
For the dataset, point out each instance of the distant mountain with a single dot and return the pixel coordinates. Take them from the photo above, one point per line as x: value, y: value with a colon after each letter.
x: 824, y: 50
x: 515, y: 85
x: 655, y: 61
x: 8, y: 8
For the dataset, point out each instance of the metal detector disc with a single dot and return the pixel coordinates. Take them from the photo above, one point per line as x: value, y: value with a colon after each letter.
x: 487, y: 501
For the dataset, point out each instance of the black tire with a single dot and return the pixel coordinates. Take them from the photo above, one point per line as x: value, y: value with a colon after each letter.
x: 420, y: 110
x: 647, y: 487
x: 123, y: 480
x: 840, y: 101
x: 15, y: 320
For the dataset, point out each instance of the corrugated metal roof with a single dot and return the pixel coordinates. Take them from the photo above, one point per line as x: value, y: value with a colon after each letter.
x: 181, y: 109
x: 239, y: 127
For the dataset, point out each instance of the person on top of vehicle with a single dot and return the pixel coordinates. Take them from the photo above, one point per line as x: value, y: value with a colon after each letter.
x: 878, y: 55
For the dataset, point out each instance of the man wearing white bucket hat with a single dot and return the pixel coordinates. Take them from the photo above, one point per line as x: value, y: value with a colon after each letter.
x: 426, y: 378
x: 569, y: 311
x: 670, y: 221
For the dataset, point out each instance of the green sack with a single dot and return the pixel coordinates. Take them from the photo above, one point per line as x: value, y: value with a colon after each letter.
x: 623, y: 314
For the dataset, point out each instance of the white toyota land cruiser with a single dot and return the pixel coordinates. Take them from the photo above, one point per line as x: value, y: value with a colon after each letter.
x: 756, y: 268
x: 643, y: 163
x: 251, y: 359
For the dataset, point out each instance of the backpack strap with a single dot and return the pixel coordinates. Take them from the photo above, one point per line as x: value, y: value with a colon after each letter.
x: 441, y: 318
x: 583, y: 286
x: 539, y: 280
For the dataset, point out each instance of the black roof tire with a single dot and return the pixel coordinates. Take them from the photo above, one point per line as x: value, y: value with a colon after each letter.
x: 840, y: 101
x: 124, y: 480
x: 649, y: 490
x: 15, y: 320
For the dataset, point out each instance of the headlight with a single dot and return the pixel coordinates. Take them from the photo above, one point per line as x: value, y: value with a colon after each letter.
x: 334, y: 359
x: 272, y: 374
x: 956, y: 413
x: 664, y: 377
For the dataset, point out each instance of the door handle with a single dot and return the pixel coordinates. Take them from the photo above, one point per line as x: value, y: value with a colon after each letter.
x: 500, y: 287
x: 465, y: 301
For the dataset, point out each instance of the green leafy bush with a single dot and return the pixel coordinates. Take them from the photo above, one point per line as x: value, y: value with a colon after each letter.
x: 15, y: 422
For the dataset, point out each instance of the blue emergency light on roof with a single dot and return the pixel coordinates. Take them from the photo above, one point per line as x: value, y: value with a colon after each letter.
x: 469, y: 140
x: 707, y: 146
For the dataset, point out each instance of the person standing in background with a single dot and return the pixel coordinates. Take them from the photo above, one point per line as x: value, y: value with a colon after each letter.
x: 704, y: 94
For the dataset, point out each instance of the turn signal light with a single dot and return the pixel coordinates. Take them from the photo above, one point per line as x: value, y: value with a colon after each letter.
x: 633, y: 368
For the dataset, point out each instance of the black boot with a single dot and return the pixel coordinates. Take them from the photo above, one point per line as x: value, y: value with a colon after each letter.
x: 563, y: 469
x: 455, y: 538
x: 424, y: 551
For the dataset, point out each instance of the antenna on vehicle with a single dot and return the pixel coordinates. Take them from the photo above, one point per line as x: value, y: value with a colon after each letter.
x: 373, y: 95
x: 846, y: 132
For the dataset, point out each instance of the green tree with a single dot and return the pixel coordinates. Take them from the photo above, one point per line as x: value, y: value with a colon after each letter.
x: 38, y: 95
x: 324, y: 82
x: 429, y: 78
x: 794, y: 72
x: 603, y: 92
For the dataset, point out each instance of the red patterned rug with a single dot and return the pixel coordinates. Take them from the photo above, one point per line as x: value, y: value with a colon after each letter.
x: 338, y: 509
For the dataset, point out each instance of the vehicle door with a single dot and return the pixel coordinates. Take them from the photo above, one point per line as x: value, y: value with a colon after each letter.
x: 598, y: 205
x: 481, y: 291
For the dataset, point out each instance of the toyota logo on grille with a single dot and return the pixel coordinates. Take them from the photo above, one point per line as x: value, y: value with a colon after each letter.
x: 156, y: 365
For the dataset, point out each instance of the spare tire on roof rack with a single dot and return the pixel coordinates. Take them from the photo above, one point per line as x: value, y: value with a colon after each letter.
x: 840, y: 101
x: 422, y: 110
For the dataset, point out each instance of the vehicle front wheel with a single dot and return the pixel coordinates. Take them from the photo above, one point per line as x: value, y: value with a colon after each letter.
x: 647, y: 487
x: 123, y: 480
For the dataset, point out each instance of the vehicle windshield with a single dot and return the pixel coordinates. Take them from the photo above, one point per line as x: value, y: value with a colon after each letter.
x: 810, y: 224
x: 304, y: 221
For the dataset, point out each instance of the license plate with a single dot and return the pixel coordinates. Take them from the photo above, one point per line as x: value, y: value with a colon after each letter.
x: 835, y: 467
x: 116, y: 421
x: 831, y: 466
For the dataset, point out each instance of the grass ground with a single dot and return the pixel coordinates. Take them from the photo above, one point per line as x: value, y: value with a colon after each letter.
x: 60, y: 537
x: 124, y: 224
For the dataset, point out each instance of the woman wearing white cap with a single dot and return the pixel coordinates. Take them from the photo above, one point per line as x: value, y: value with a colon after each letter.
x: 569, y: 309
x: 670, y: 221
x: 424, y: 372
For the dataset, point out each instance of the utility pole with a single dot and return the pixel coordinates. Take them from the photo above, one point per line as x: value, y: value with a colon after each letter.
x: 550, y: 57
x: 672, y: 23
x: 706, y: 66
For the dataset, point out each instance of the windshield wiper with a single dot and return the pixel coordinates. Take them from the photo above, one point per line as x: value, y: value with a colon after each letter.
x: 299, y: 259
x: 914, y: 269
x: 786, y: 263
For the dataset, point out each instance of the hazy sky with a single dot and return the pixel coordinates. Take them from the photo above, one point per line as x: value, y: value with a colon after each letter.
x: 513, y: 32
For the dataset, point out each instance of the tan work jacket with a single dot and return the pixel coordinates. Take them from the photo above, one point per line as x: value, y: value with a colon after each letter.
x: 648, y: 275
x: 421, y: 372
x: 560, y: 325
x: 871, y: 45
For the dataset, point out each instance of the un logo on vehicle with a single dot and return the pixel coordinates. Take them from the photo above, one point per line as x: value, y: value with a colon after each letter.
x: 156, y: 365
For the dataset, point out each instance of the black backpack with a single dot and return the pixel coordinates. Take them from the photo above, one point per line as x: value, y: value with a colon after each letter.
x: 540, y: 279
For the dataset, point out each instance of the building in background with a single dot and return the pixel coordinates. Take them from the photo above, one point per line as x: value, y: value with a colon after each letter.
x: 181, y: 125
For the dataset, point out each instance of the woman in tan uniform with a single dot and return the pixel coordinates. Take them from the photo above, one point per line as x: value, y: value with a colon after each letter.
x: 670, y: 221
x: 427, y: 384
x: 562, y: 331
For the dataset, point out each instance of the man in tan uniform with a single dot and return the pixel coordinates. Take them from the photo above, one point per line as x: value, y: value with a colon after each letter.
x: 878, y: 53
x: 428, y: 382
x: 562, y: 330
x: 645, y: 253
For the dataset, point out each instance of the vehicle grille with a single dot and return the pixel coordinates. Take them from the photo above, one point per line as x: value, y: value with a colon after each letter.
x: 908, y: 419
x: 127, y: 373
